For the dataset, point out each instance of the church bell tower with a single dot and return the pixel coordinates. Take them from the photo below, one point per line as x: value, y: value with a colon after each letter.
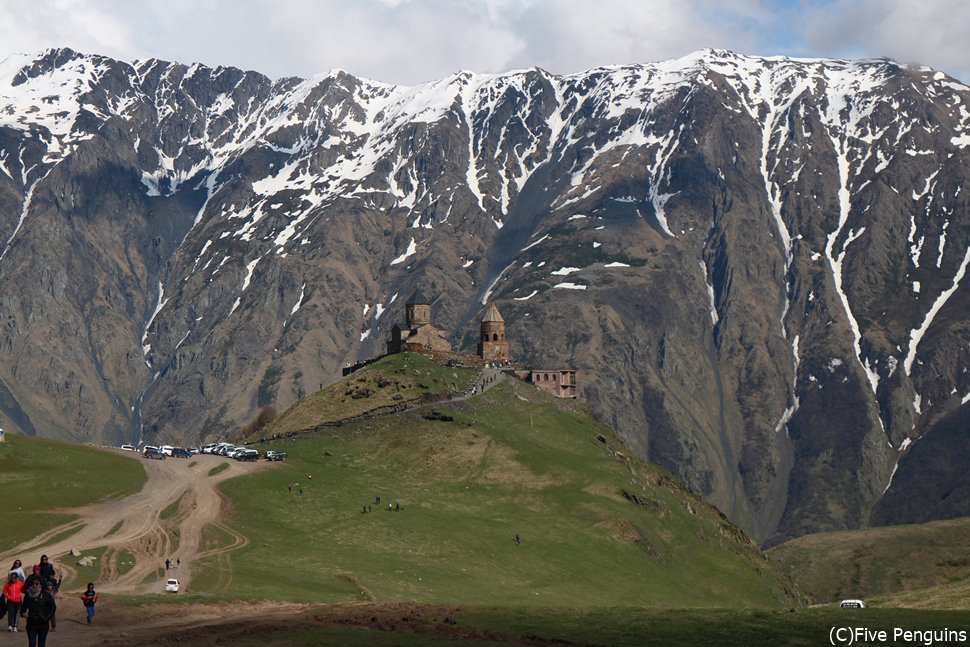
x: 492, y: 345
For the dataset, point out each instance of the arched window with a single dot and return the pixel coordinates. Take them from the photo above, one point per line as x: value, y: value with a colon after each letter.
x: 494, y: 336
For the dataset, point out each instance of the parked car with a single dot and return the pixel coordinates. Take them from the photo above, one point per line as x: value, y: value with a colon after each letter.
x: 275, y: 456
x: 852, y: 604
x: 172, y: 586
x: 207, y: 449
x: 181, y: 452
x: 166, y: 449
x: 247, y: 455
x: 223, y: 449
x: 128, y: 448
x: 154, y: 452
x: 146, y: 448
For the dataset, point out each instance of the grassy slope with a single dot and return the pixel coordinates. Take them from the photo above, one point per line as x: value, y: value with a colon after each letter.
x: 394, y: 380
x: 924, y: 565
x: 512, y: 461
x: 38, y: 476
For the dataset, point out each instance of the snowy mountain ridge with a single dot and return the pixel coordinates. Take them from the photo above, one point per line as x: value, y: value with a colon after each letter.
x: 241, y: 238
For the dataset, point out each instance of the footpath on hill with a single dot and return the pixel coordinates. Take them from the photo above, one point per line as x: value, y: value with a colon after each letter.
x: 485, y: 379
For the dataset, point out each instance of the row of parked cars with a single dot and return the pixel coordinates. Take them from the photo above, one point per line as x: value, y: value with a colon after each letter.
x: 219, y: 449
x: 231, y: 451
x: 240, y: 453
x: 161, y: 453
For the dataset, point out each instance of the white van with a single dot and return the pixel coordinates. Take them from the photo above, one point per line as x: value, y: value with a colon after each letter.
x: 166, y: 449
x: 852, y: 604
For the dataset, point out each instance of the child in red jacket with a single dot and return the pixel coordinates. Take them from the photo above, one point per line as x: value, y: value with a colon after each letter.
x: 90, y: 598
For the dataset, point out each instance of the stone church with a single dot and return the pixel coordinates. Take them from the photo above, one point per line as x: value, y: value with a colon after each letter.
x: 418, y: 334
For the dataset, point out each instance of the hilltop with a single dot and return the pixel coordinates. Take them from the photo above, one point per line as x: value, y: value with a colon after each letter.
x: 401, y: 380
x: 511, y: 497
x: 595, y: 526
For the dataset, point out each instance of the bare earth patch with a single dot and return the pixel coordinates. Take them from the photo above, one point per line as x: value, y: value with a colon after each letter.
x: 133, y: 525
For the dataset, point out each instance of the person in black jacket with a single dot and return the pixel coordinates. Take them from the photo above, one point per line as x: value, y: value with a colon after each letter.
x: 39, y: 608
x: 46, y: 568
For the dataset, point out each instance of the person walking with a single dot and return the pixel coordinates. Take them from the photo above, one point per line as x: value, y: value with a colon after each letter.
x: 13, y: 593
x: 34, y: 576
x: 90, y: 598
x: 46, y: 568
x: 39, y: 608
x: 18, y: 568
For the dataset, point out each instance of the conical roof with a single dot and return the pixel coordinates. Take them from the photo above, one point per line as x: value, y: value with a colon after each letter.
x: 492, y: 314
x: 418, y: 298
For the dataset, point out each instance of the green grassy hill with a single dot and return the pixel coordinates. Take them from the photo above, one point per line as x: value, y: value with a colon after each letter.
x: 397, y: 380
x: 923, y: 565
x: 597, y: 528
x: 41, y: 478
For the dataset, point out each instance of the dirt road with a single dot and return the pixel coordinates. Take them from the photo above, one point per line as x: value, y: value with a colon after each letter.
x: 132, y: 529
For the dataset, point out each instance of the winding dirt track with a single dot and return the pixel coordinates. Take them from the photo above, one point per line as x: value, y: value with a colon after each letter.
x: 133, y: 527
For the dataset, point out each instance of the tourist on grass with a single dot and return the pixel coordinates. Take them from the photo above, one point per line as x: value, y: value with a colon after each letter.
x: 38, y: 607
x: 13, y: 593
x: 18, y: 568
x: 90, y: 598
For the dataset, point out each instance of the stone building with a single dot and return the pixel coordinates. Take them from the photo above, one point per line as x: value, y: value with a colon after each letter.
x: 561, y: 383
x: 492, y: 345
x: 418, y: 333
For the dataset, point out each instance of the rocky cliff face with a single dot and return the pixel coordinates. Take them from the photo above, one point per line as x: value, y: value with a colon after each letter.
x: 756, y: 264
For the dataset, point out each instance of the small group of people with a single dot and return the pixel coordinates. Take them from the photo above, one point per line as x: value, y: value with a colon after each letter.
x: 173, y: 563
x: 395, y: 507
x: 33, y: 598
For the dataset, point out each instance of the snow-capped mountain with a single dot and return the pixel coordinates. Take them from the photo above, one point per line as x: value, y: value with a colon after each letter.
x: 756, y: 264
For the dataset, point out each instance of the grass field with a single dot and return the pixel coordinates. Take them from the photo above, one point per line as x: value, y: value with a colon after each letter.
x: 512, y: 462
x: 91, y: 573
x: 403, y: 625
x: 39, y: 476
x: 923, y: 565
